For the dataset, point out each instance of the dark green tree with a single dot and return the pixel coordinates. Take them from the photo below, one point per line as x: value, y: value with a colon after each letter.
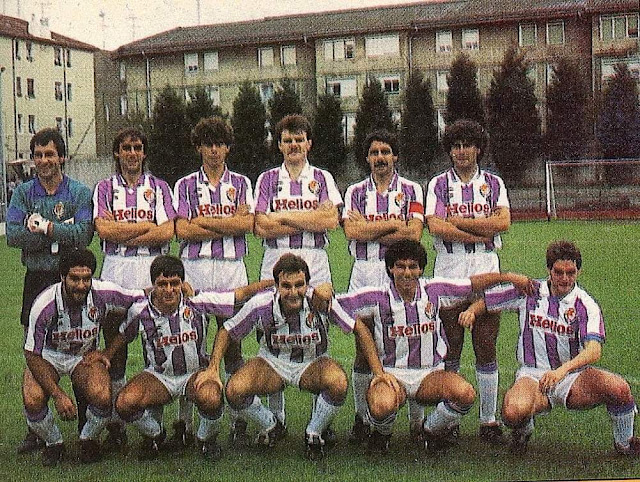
x: 249, y: 154
x: 418, y: 131
x: 328, y: 149
x: 568, y: 99
x: 619, y: 118
x: 285, y: 101
x: 373, y: 113
x: 170, y: 153
x: 513, y: 120
x: 463, y: 98
x: 200, y: 106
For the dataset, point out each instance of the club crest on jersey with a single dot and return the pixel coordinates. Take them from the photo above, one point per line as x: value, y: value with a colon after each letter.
x: 429, y: 309
x: 310, y: 320
x: 187, y: 313
x: 58, y: 210
x: 231, y: 194
x: 93, y: 313
x: 149, y: 195
x: 570, y: 314
x: 314, y: 186
x: 400, y: 199
x: 485, y: 190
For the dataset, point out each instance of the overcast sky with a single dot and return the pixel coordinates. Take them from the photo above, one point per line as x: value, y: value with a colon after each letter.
x: 111, y: 23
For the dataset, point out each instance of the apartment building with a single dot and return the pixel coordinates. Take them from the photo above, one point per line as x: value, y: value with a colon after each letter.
x: 339, y: 52
x: 46, y: 81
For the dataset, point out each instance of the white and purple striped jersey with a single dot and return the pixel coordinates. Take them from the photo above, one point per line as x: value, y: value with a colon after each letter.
x: 149, y: 201
x: 300, y: 338
x: 552, y: 330
x: 276, y: 191
x: 55, y: 325
x: 402, y: 200
x: 195, y: 196
x: 408, y: 335
x: 447, y: 195
x: 176, y: 344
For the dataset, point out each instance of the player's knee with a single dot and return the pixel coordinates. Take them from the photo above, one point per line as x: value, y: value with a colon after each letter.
x: 381, y: 407
x: 208, y: 398
x: 99, y: 396
x: 127, y: 403
x: 34, y: 400
x: 619, y: 391
x: 467, y: 394
x: 338, y: 385
x: 234, y: 392
x: 515, y: 410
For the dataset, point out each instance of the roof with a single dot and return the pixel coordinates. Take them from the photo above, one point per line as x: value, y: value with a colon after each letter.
x: 311, y: 26
x: 18, y: 28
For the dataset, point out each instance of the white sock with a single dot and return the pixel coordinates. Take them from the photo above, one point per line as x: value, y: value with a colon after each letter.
x: 622, y: 420
x: 43, y: 426
x: 276, y: 405
x: 209, y: 426
x: 360, y: 383
x: 185, y: 412
x: 385, y: 426
x: 148, y: 425
x: 487, y: 378
x: 415, y: 412
x: 262, y: 416
x: 233, y: 414
x: 97, y: 420
x: 157, y: 412
x: 442, y: 418
x: 323, y: 412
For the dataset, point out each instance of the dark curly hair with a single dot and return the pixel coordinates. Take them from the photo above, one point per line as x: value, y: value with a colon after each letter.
x: 465, y: 130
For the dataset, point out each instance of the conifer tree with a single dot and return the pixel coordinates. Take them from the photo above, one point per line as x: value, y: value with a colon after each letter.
x: 328, y: 150
x: 463, y: 97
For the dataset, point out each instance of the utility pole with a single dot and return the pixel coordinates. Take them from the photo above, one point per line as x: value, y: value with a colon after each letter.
x: 198, y: 10
x: 133, y: 19
x: 104, y: 38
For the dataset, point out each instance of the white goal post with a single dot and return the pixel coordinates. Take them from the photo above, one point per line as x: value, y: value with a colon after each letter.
x: 593, y: 188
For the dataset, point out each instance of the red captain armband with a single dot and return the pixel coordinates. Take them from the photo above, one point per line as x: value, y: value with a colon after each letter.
x: 416, y: 207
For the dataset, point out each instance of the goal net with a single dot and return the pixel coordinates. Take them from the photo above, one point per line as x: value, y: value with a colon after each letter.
x: 593, y: 189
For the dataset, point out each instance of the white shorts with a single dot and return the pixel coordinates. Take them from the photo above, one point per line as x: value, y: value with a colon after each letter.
x: 175, y: 385
x: 411, y: 378
x: 557, y: 395
x: 63, y: 363
x: 465, y: 265
x: 290, y: 372
x: 368, y: 273
x: 215, y: 274
x: 316, y: 259
x: 131, y: 272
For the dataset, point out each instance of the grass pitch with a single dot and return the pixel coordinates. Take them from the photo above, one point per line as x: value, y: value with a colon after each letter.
x: 565, y: 445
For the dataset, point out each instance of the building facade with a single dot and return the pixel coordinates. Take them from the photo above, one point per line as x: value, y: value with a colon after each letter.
x: 339, y: 52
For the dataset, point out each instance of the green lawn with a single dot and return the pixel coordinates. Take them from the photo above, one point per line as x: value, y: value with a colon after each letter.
x: 576, y: 445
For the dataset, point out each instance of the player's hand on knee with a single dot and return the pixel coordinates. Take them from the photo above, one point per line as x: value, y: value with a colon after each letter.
x: 64, y: 406
x: 466, y: 319
x: 392, y: 383
x: 96, y: 356
x: 207, y: 376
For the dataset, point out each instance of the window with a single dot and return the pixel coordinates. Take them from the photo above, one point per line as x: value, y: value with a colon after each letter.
x: 348, y: 127
x: 265, y: 57
x: 441, y: 81
x: 58, y: 90
x: 57, y: 56
x: 190, y: 63
x: 555, y: 33
x: 16, y: 48
x: 342, y: 87
x: 32, y: 124
x: 69, y: 91
x: 470, y: 39
x: 266, y: 91
x: 528, y: 34
x: 444, y: 41
x: 339, y: 49
x: 29, y: 47
x: 123, y: 71
x: 382, y: 45
x: 123, y: 105
x: 18, y: 87
x: 549, y: 74
x: 211, y: 60
x: 619, y: 26
x: 213, y: 91
x: 68, y: 52
x: 19, y: 124
x: 59, y: 124
x: 70, y: 127
x: 31, y: 91
x: 390, y: 84
x: 288, y: 55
